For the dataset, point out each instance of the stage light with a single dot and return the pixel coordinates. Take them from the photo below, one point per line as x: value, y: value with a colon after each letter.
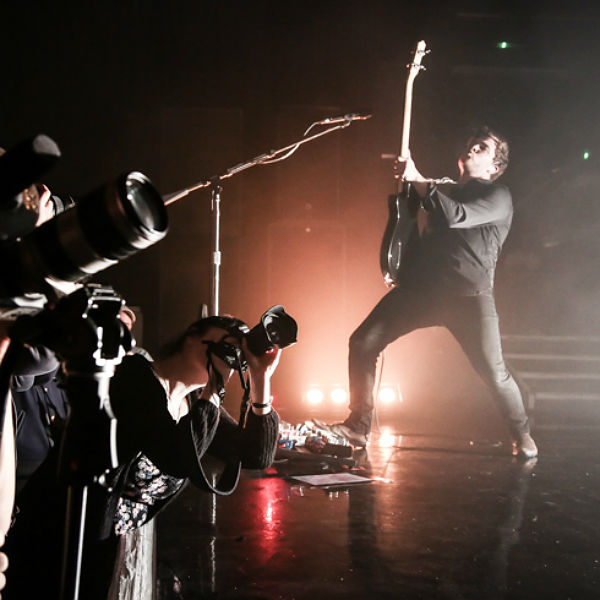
x: 387, y: 394
x: 314, y: 395
x: 338, y: 395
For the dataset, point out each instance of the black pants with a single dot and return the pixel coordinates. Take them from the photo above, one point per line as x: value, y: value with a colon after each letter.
x: 472, y: 320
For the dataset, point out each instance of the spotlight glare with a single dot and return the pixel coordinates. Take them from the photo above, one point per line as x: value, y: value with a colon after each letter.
x: 387, y: 395
x: 338, y: 395
x: 314, y: 396
x: 387, y: 439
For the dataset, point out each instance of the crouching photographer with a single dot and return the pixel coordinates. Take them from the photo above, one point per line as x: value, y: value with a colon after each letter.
x: 170, y: 415
x: 170, y: 410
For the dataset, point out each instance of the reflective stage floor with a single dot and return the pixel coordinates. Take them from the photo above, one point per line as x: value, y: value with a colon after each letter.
x: 443, y: 518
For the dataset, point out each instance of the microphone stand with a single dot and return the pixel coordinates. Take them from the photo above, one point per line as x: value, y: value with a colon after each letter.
x: 267, y: 158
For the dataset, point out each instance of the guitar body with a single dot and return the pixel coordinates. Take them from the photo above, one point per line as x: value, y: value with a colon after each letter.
x: 401, y: 225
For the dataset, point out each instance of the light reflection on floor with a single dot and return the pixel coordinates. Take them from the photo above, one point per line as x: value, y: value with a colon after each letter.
x: 442, y: 518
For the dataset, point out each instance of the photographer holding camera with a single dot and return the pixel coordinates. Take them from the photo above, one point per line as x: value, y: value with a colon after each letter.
x: 170, y: 415
x: 158, y: 417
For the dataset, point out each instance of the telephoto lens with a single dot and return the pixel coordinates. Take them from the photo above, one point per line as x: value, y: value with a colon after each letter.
x: 101, y: 229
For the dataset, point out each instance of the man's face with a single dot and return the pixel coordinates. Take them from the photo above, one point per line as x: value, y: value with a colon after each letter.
x: 477, y: 160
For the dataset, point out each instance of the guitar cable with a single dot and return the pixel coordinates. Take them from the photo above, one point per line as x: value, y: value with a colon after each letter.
x: 376, y: 391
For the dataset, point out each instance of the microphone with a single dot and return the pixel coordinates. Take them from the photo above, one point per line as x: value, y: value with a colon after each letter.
x: 350, y: 117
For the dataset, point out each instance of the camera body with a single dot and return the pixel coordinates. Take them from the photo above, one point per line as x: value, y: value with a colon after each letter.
x: 276, y: 329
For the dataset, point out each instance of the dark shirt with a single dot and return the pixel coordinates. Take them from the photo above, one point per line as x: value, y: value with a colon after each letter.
x: 458, y: 252
x: 40, y: 407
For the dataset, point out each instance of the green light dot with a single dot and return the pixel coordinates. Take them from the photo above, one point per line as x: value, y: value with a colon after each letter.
x: 502, y: 45
x: 586, y: 155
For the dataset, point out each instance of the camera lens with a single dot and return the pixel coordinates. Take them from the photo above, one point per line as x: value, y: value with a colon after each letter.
x: 150, y: 217
x: 106, y: 226
x: 275, y: 330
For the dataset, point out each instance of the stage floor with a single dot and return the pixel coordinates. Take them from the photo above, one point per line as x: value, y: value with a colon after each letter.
x: 442, y: 518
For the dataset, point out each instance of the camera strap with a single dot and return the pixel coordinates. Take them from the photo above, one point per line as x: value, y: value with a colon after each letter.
x: 230, y: 475
x: 218, y: 379
x: 227, y: 482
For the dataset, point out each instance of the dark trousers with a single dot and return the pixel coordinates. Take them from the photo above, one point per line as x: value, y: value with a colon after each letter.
x: 472, y: 320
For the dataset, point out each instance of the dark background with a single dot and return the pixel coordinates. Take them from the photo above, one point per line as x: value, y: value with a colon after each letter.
x: 184, y: 90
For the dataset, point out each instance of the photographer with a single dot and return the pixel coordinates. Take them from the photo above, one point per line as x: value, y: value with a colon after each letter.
x: 157, y: 417
x: 164, y: 432
x: 39, y: 208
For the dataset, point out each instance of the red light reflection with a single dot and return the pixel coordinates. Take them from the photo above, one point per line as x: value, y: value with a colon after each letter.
x: 270, y: 500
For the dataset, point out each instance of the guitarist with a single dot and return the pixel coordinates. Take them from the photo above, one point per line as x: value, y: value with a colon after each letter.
x: 447, y: 280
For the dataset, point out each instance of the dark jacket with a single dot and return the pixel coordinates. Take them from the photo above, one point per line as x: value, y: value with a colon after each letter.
x: 40, y: 408
x: 459, y: 251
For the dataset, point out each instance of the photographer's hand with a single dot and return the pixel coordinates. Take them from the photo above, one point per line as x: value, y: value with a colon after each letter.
x: 46, y: 206
x: 261, y: 369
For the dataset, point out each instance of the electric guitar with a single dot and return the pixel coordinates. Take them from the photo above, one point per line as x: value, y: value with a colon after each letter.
x: 402, y: 212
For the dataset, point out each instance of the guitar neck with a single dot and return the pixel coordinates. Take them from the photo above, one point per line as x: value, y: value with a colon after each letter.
x: 414, y: 69
x: 405, y: 143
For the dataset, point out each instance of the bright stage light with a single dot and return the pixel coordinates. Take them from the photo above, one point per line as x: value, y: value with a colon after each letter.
x: 314, y: 396
x: 338, y: 395
x: 387, y: 395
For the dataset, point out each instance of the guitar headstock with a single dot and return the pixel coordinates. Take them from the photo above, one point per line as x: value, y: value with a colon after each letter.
x: 415, y: 66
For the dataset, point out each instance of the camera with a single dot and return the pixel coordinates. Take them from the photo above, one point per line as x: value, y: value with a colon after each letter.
x: 99, y: 230
x: 276, y: 329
